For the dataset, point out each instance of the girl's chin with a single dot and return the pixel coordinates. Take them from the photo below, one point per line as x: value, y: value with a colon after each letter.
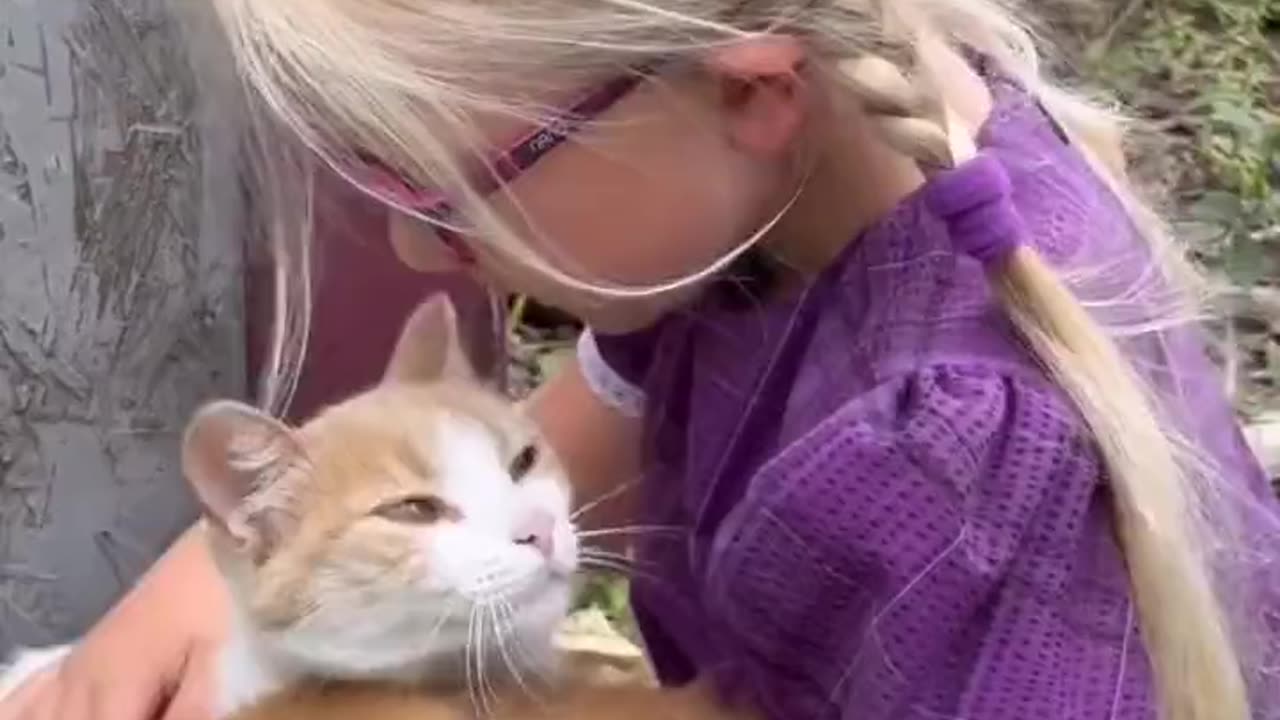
x: 618, y: 316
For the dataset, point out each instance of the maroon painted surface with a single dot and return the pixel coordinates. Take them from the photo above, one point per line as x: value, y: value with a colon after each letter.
x: 362, y: 296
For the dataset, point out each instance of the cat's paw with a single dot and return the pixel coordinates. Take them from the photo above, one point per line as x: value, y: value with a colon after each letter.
x: 26, y: 663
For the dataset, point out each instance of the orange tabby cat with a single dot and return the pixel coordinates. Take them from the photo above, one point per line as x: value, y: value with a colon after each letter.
x: 407, y: 554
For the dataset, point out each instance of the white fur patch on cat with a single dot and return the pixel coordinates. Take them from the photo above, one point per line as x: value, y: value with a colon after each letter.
x: 27, y: 664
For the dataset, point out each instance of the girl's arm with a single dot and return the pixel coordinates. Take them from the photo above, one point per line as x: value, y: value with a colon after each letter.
x: 150, y: 658
x: 599, y: 446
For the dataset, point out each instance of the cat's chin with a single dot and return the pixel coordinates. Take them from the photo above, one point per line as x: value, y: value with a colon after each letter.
x: 541, y: 614
x: 431, y: 639
x: 563, y: 568
x: 495, y: 636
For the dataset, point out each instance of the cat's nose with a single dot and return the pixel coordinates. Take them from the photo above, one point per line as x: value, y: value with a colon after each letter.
x: 537, y: 529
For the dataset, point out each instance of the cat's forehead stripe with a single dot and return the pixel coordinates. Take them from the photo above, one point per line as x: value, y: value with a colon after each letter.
x: 472, y: 475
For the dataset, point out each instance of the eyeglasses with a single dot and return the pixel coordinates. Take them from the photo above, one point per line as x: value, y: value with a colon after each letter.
x: 384, y: 183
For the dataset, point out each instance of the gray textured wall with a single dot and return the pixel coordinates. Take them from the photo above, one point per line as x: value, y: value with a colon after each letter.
x: 120, y: 301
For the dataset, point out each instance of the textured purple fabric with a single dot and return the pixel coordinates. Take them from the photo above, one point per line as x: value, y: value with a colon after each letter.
x: 890, y: 511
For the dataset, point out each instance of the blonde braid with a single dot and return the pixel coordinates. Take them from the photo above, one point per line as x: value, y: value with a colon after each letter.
x: 898, y: 109
x: 1153, y: 479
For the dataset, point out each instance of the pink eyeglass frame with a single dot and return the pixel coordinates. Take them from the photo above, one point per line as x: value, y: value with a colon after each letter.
x: 384, y: 183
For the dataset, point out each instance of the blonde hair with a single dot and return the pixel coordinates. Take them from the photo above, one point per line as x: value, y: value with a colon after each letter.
x: 367, y: 72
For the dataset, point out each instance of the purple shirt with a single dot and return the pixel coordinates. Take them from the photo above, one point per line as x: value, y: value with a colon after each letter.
x: 891, y: 512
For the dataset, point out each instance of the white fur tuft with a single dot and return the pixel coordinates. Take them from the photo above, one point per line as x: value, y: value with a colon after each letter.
x: 28, y: 663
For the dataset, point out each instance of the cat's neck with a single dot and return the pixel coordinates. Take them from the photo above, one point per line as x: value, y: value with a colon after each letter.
x: 255, y: 664
x: 252, y: 668
x: 248, y: 670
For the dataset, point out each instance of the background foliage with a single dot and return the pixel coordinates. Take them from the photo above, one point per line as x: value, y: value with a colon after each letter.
x: 1202, y: 77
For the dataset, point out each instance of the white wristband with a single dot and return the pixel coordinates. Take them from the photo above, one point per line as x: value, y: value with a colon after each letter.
x: 607, y: 385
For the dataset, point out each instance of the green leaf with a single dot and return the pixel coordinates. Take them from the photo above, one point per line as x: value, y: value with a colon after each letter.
x: 618, y: 596
x: 1215, y: 206
x: 1234, y: 114
x: 550, y: 361
x: 1246, y: 261
x: 1200, y: 234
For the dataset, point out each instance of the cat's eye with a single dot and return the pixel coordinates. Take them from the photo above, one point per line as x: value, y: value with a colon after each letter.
x: 523, y: 462
x: 419, y: 509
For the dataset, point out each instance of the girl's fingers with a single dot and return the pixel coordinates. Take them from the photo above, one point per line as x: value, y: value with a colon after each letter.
x: 194, y: 697
x: 119, y: 702
x: 22, y: 703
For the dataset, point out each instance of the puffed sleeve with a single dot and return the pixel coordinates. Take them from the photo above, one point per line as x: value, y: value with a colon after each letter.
x: 939, y: 547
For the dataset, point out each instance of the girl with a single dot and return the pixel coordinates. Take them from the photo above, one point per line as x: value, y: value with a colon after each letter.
x: 919, y: 409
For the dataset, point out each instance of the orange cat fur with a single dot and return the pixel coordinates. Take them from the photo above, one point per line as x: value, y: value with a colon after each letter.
x: 404, y: 545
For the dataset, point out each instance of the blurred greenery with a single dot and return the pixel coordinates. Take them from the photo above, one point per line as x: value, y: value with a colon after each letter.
x: 1206, y: 74
x: 1203, y: 76
x: 608, y: 592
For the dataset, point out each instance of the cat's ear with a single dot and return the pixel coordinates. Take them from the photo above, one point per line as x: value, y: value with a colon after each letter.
x: 240, y: 463
x: 429, y: 348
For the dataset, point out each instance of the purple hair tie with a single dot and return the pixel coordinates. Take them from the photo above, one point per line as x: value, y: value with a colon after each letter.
x: 975, y: 200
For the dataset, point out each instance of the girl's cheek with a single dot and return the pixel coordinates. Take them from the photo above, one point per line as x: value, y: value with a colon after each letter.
x: 605, y: 314
x: 419, y: 248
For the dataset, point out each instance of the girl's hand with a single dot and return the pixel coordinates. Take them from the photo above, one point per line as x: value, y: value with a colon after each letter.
x: 151, y: 658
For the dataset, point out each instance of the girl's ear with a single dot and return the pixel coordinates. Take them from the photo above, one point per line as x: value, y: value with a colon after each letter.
x: 241, y: 463
x: 429, y: 348
x: 763, y: 93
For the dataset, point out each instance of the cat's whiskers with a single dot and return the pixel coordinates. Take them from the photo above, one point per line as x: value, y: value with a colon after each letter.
x: 520, y: 650
x: 487, y: 691
x: 596, y: 558
x: 505, y: 626
x: 468, y: 651
x: 614, y: 493
x: 595, y: 553
x: 632, y: 530
x: 445, y: 616
x: 477, y: 684
x: 602, y: 564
